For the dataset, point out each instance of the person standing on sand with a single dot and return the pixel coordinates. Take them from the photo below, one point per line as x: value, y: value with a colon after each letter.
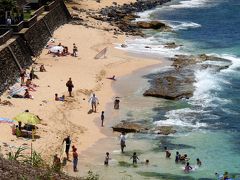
x: 102, y: 117
x: 70, y: 86
x: 75, y: 50
x: 122, y: 141
x: 94, y: 101
x: 68, y: 143
x: 75, y: 159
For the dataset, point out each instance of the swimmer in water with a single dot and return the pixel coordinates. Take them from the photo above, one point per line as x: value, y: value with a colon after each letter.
x: 188, y: 168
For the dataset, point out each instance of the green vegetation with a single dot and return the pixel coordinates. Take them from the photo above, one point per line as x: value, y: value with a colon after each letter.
x: 27, y: 15
x: 7, y: 5
x: 91, y: 176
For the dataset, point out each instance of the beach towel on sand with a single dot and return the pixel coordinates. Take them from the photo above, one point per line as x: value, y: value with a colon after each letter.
x: 16, y: 90
x: 6, y: 120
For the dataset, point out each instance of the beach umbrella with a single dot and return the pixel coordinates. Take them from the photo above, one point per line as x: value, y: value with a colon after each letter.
x: 55, y: 49
x: 27, y: 118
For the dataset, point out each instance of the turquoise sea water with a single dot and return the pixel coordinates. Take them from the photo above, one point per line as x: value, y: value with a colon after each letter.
x: 208, y: 124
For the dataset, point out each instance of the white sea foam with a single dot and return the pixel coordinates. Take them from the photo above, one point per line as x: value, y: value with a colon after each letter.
x: 181, y: 25
x: 181, y: 117
x: 192, y: 4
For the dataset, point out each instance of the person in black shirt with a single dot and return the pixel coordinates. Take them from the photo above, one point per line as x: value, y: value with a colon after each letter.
x: 68, y: 143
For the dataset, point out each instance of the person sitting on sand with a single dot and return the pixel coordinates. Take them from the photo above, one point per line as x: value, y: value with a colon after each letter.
x: 107, y: 158
x: 59, y: 98
x: 65, y: 51
x: 30, y: 85
x: 199, y: 163
x: 94, y: 101
x: 134, y: 157
x: 168, y: 154
x: 56, y: 163
x: 70, y: 86
x: 42, y: 68
x: 27, y: 94
x: 33, y: 75
x: 187, y: 168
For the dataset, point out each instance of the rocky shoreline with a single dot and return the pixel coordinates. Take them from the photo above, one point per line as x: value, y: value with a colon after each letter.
x: 178, y: 81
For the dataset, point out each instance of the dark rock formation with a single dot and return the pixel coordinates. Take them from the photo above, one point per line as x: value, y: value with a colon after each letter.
x: 153, y: 25
x: 165, y: 130
x: 177, y: 82
x: 122, y: 16
x: 128, y: 127
x: 171, y: 45
x: 132, y: 127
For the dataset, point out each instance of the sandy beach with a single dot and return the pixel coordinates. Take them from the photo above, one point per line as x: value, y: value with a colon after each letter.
x: 89, y: 75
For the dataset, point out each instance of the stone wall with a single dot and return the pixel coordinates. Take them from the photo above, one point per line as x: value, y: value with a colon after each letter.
x: 29, y: 43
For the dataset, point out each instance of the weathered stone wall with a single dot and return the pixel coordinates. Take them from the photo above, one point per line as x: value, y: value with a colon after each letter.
x: 38, y: 35
x: 9, y: 70
x: 29, y: 43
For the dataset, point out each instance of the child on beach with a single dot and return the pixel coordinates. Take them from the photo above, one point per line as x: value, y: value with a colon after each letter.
x: 75, y: 159
x: 168, y: 154
x: 75, y: 50
x: 62, y: 98
x: 102, y: 117
x: 134, y: 157
x: 70, y: 86
x: 107, y: 158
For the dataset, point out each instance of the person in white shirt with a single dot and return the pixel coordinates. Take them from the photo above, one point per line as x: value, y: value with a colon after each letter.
x: 122, y: 141
x: 94, y: 101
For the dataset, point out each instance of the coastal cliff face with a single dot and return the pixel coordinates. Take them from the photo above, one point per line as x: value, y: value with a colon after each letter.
x: 29, y: 43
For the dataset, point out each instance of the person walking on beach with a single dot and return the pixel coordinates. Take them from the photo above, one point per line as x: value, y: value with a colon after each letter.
x: 134, y: 157
x: 168, y: 154
x: 102, y: 117
x: 75, y: 50
x: 94, y: 101
x: 75, y: 159
x: 68, y: 141
x: 107, y: 158
x: 122, y: 141
x: 70, y: 86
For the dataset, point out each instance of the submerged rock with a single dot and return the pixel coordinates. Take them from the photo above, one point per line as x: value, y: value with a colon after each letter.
x: 165, y: 130
x: 152, y: 25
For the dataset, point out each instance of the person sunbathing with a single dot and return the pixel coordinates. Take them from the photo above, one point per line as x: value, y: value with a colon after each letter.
x: 30, y: 85
x: 59, y: 98
x: 27, y: 94
x: 112, y: 78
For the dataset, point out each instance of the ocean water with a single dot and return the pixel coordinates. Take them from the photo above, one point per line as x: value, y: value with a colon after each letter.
x: 208, y: 124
